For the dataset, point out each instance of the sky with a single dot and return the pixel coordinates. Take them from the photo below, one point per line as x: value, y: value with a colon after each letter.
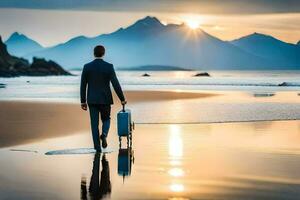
x: 54, y: 21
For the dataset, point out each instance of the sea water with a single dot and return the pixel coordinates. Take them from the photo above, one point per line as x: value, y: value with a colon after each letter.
x: 67, y: 87
x: 241, y: 95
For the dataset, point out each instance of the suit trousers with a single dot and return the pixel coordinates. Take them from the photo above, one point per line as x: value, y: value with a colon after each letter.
x: 104, y: 111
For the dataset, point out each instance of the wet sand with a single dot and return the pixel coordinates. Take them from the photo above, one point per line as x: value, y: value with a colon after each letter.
x: 258, y: 160
x: 248, y: 160
x: 26, y: 121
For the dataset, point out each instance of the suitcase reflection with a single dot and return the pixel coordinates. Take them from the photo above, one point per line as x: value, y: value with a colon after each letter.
x: 125, y: 162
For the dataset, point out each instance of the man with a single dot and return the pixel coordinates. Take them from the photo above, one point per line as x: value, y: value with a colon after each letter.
x: 97, y: 76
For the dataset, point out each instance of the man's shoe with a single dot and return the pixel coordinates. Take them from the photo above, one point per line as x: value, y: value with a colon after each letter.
x: 104, y: 142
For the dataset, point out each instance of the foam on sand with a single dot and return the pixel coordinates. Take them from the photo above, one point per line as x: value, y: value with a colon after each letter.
x: 24, y: 150
x: 78, y: 151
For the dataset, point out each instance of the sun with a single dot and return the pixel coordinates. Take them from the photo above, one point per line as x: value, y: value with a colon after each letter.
x: 193, y: 24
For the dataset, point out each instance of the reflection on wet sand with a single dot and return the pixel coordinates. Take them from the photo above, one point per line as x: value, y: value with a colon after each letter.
x: 175, y: 158
x: 97, y: 189
x: 125, y: 161
x: 236, y: 161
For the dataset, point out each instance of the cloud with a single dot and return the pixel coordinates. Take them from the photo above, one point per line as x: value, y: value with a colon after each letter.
x: 192, y: 6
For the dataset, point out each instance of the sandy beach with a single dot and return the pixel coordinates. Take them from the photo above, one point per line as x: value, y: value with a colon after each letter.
x: 205, y: 94
x: 26, y: 121
x: 233, y: 160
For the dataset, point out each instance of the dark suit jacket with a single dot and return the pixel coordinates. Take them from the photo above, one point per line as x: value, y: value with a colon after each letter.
x: 96, y: 77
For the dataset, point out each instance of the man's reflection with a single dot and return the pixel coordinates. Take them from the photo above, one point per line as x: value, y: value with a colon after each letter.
x: 98, y: 189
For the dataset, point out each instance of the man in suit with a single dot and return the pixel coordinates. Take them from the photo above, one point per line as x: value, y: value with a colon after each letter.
x: 96, y: 78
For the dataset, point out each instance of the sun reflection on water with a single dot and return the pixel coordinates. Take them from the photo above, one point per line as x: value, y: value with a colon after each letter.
x: 177, y: 187
x: 175, y: 142
x: 176, y: 172
x: 175, y: 162
x: 175, y: 154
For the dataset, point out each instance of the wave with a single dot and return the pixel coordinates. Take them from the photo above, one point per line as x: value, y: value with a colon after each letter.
x: 161, y: 80
x: 214, y: 83
x: 78, y: 151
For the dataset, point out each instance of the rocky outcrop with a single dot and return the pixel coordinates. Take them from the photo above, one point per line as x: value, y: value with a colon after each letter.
x: 11, y: 66
x: 41, y: 67
x: 283, y: 84
x: 203, y: 74
x: 146, y: 75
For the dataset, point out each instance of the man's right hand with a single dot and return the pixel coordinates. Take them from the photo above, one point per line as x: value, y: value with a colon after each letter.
x: 123, y: 102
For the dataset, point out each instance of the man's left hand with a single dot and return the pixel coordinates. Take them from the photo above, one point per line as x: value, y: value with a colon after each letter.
x: 84, y: 106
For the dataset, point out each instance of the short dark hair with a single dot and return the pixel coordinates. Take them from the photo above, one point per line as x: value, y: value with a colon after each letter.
x: 99, y: 51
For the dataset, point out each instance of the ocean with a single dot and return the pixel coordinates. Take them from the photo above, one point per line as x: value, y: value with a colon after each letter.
x: 66, y: 88
x: 237, y: 96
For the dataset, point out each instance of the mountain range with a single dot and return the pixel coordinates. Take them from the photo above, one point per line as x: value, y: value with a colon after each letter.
x: 149, y: 42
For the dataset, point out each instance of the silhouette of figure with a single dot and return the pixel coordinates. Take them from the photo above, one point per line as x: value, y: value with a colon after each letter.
x: 98, y: 189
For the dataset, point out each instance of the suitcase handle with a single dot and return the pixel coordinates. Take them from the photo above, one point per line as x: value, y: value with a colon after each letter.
x: 123, y: 107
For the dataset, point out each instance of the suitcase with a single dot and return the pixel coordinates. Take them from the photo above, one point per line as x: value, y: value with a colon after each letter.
x: 125, y: 126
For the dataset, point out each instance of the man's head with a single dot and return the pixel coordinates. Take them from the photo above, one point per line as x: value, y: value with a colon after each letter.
x: 99, y: 51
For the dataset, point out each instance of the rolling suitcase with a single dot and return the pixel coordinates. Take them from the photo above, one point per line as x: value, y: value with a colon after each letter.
x: 125, y: 126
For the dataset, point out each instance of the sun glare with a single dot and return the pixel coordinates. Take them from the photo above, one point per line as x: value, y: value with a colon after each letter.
x: 193, y: 24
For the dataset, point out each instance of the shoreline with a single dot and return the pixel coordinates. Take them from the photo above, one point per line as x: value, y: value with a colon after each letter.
x: 24, y: 121
x: 27, y: 122
x: 34, y: 120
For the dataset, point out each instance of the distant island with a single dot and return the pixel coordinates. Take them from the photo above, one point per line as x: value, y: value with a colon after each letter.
x: 154, y: 68
x: 11, y: 66
x: 202, y: 74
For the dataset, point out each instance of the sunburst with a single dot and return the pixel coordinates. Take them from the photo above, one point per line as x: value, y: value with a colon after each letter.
x: 193, y: 24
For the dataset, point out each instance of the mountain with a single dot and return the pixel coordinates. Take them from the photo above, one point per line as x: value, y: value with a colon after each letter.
x: 149, y: 42
x: 20, y: 45
x: 11, y: 66
x: 268, y: 47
